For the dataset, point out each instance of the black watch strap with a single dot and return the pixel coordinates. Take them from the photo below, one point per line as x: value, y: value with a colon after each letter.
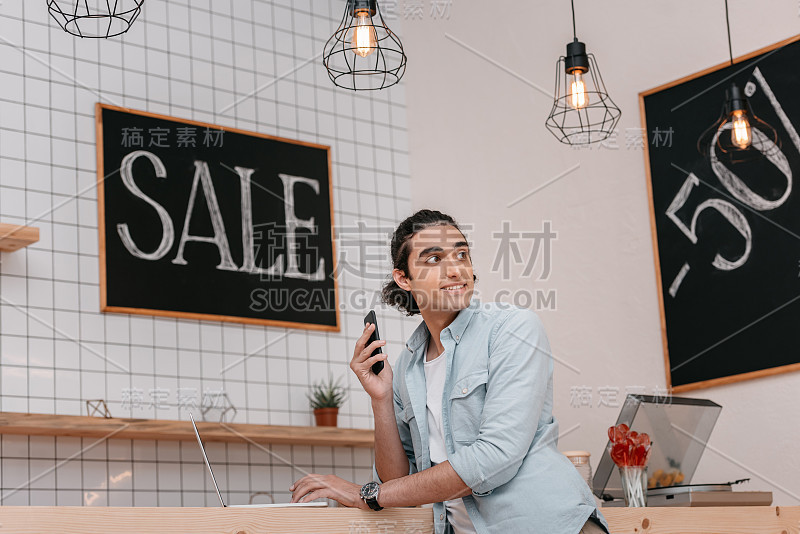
x: 373, y: 503
x: 369, y: 493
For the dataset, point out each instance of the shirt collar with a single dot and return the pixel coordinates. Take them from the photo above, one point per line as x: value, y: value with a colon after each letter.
x: 456, y: 328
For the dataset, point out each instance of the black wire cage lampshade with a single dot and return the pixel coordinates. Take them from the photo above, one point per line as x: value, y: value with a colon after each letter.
x: 738, y: 135
x: 582, y: 111
x: 95, y: 18
x: 363, y: 53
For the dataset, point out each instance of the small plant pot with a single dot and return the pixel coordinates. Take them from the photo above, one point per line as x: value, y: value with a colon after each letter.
x: 326, y: 416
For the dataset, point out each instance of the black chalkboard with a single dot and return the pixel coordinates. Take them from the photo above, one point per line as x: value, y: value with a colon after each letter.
x: 730, y: 302
x: 209, y: 222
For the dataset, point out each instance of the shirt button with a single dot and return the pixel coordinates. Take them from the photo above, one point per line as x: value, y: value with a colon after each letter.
x: 464, y: 390
x: 441, y: 516
x: 456, y: 337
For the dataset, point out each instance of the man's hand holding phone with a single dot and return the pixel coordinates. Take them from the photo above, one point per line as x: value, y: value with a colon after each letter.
x: 378, y: 386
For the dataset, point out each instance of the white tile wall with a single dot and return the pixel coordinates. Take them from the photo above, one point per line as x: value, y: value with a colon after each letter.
x: 248, y: 64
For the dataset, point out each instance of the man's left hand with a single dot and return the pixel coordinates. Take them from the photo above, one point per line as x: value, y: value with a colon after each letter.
x: 313, y: 486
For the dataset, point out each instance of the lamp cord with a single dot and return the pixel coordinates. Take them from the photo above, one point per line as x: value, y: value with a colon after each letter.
x: 728, y: 24
x: 574, y: 33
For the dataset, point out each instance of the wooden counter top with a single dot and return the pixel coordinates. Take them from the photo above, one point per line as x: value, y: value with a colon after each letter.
x: 710, y: 520
x: 89, y: 520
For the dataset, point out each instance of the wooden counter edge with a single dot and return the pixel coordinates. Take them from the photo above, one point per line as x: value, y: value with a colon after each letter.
x: 91, y: 520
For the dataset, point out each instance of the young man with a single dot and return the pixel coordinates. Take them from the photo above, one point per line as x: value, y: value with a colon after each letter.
x: 465, y: 421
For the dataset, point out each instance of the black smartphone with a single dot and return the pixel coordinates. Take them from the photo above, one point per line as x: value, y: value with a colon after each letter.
x: 370, y: 318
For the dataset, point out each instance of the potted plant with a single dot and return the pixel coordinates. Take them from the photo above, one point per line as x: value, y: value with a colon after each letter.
x: 326, y: 398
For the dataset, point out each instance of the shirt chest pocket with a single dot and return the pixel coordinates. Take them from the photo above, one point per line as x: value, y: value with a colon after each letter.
x: 466, y: 406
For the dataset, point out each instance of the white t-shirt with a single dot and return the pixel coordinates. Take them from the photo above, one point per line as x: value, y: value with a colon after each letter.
x: 435, y: 369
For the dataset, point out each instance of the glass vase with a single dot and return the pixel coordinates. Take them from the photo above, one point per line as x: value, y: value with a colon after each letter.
x: 634, y: 485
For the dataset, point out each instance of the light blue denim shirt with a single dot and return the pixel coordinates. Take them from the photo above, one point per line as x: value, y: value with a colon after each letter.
x: 499, y: 429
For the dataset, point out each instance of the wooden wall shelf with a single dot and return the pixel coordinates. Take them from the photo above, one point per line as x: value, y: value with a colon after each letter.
x: 14, y: 237
x: 31, y: 424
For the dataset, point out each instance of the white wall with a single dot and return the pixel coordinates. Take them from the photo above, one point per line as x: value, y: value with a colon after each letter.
x: 188, y: 60
x: 478, y: 142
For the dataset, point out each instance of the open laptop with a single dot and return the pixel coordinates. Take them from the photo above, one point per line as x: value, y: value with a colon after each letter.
x: 219, y: 495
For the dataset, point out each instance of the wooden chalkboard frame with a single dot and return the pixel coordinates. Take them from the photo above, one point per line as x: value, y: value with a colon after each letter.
x: 667, y: 365
x: 104, y: 307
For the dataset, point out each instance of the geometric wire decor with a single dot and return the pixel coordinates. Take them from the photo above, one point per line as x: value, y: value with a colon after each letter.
x: 95, y: 18
x: 582, y: 111
x: 364, y: 54
x: 97, y: 408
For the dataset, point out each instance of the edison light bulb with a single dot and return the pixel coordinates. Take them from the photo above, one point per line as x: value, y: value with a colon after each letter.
x: 577, y: 93
x: 365, y: 39
x: 740, y: 131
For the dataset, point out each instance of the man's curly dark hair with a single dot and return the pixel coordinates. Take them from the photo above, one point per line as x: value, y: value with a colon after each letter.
x: 391, y: 293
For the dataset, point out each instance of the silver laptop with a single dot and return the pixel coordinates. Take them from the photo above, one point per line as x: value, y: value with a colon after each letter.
x: 219, y: 495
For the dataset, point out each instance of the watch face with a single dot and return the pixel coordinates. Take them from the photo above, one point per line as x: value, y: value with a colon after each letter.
x: 369, y: 490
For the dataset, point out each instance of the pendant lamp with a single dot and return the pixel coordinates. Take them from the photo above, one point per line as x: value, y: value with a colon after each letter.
x: 95, y: 18
x: 364, y: 54
x: 582, y: 111
x: 738, y: 135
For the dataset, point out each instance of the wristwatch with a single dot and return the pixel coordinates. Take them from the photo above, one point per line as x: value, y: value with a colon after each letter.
x: 369, y: 494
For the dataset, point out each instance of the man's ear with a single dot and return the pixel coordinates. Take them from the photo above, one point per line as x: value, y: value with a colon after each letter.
x: 400, y: 279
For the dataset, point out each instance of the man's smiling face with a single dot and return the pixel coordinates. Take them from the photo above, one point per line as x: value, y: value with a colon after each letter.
x: 440, y: 270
